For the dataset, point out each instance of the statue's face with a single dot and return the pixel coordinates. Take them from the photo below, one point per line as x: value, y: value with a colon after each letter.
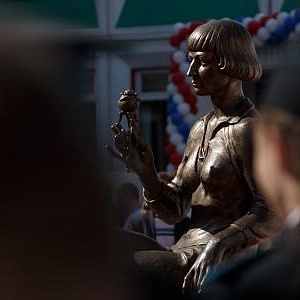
x: 206, y: 76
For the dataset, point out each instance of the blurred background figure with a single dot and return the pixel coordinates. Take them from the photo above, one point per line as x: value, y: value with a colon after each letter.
x: 53, y: 237
x: 132, y: 217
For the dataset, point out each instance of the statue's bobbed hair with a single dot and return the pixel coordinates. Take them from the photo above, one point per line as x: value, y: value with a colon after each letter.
x: 232, y: 45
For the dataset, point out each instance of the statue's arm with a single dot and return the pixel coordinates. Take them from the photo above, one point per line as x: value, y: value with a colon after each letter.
x: 172, y: 200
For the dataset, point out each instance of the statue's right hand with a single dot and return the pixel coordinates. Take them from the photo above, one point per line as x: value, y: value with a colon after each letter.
x: 121, y: 140
x: 131, y: 150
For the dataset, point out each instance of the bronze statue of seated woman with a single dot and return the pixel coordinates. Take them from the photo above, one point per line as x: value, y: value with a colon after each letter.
x: 214, y: 178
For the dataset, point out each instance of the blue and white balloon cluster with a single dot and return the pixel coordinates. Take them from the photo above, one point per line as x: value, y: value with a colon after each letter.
x: 274, y: 28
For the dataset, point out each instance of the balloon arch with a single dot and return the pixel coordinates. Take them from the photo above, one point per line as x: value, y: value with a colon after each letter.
x: 182, y: 102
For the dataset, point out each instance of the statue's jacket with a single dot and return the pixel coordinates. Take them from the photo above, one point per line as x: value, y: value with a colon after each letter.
x: 215, y: 181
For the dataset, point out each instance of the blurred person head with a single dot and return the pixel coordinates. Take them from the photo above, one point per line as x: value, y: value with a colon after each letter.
x: 52, y: 240
x: 128, y: 198
x: 277, y: 142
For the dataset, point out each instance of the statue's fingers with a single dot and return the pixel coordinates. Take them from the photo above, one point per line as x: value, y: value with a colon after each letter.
x: 197, y: 282
x: 115, y: 129
x: 196, y: 278
x: 218, y: 258
x: 186, y: 286
x: 115, y: 154
x: 202, y: 278
x: 120, y: 128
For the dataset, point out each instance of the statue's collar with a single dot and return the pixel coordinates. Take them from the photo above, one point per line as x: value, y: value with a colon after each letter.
x: 235, y: 113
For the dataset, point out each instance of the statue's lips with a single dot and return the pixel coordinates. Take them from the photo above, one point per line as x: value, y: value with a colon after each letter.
x: 197, y: 86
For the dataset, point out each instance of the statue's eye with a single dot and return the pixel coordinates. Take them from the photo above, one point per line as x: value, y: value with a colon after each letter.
x: 204, y: 63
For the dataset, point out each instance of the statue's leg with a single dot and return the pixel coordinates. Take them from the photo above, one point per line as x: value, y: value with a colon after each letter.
x: 126, y: 243
x: 167, y: 265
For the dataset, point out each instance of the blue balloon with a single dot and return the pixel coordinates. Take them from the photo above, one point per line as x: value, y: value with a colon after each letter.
x: 297, y: 14
x: 290, y: 23
x: 171, y: 108
x: 273, y: 40
x: 280, y: 32
x: 176, y: 118
x: 184, y: 130
x: 240, y: 19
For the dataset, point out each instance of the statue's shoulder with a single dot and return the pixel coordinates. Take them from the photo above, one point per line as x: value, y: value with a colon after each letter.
x: 242, y: 131
x: 197, y: 130
x: 248, y: 116
x: 199, y: 124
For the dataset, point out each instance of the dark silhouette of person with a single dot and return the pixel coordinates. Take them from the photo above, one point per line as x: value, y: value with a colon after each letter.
x: 53, y: 239
x: 134, y: 219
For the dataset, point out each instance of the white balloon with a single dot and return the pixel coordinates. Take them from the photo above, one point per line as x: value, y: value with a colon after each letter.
x: 258, y: 16
x: 170, y: 168
x: 281, y: 17
x: 263, y: 33
x: 179, y: 57
x: 257, y: 41
x: 180, y: 148
x: 297, y: 29
x: 246, y: 21
x: 184, y: 67
x: 183, y: 46
x: 170, y: 129
x: 293, y: 36
x: 177, y: 98
x: 176, y: 138
x: 292, y: 13
x: 189, y: 80
x: 190, y: 119
x: 171, y: 88
x: 183, y: 108
x: 271, y: 25
x: 177, y: 27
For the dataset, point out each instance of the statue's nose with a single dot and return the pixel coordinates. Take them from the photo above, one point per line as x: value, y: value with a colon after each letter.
x: 192, y: 69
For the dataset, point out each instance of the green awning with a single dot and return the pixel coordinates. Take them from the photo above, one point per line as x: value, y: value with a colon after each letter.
x: 164, y: 12
x: 77, y: 13
x: 289, y: 5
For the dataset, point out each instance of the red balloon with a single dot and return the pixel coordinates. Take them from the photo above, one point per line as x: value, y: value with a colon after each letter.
x: 176, y: 159
x: 194, y: 109
x: 174, y: 67
x: 183, y: 33
x: 264, y: 20
x: 177, y: 78
x: 175, y: 40
x: 190, y: 98
x: 170, y: 149
x: 253, y: 27
x: 184, y: 89
x: 194, y: 25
